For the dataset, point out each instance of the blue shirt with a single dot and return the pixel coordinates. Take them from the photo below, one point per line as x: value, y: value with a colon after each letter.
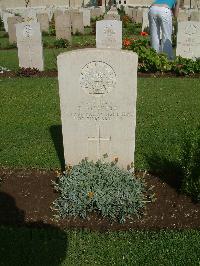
x: 170, y: 3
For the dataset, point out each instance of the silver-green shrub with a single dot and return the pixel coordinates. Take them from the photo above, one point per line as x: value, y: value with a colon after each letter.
x: 102, y: 187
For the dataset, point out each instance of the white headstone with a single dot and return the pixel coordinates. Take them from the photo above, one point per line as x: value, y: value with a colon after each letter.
x: 182, y: 16
x: 63, y: 26
x: 98, y: 104
x: 145, y: 20
x: 77, y: 22
x: 29, y: 43
x: 195, y: 15
x: 111, y: 16
x: 109, y: 34
x: 96, y: 12
x: 5, y: 16
x: 86, y: 16
x: 12, y: 21
x: 43, y: 19
x: 188, y: 40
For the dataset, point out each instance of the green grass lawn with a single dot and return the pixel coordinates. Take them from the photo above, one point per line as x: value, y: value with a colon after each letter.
x: 30, y: 120
x: 33, y: 247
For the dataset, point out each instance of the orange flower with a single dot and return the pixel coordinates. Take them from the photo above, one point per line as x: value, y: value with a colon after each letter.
x: 126, y: 42
x: 144, y: 33
x: 90, y: 194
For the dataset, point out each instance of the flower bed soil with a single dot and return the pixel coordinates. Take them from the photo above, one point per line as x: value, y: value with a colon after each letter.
x: 26, y: 198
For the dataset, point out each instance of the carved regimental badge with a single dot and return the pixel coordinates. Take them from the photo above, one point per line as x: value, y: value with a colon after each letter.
x: 97, y: 78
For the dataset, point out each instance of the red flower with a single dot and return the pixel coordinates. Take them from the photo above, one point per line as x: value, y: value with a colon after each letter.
x: 126, y: 42
x: 144, y: 33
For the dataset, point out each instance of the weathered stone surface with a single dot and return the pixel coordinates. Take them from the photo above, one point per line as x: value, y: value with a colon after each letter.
x: 98, y: 104
x: 96, y: 12
x: 111, y: 16
x: 109, y: 34
x: 5, y: 16
x: 12, y: 21
x: 195, y: 15
x: 188, y: 39
x: 29, y: 43
x: 182, y: 16
x: 86, y: 16
x: 63, y: 26
x: 145, y: 19
x: 77, y: 22
x: 43, y: 19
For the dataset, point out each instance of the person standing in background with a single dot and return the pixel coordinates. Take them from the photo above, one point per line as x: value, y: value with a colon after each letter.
x: 160, y: 20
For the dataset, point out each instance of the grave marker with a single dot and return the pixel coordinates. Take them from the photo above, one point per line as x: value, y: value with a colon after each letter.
x: 98, y: 104
x: 77, y: 22
x: 29, y: 43
x: 63, y: 27
x: 12, y: 21
x: 43, y: 19
x: 188, y: 40
x: 109, y: 34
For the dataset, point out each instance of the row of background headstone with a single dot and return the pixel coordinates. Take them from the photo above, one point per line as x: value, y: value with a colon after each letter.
x: 189, y: 47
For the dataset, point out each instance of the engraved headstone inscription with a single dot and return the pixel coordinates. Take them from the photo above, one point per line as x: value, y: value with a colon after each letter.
x: 29, y: 43
x: 188, y: 40
x: 98, y: 104
x: 109, y: 34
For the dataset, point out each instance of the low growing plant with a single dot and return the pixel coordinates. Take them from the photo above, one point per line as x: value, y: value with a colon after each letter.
x: 27, y: 72
x: 61, y: 43
x: 190, y: 162
x: 102, y: 187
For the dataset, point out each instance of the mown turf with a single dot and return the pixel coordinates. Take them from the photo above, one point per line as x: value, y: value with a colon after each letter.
x: 30, y: 120
x: 52, y: 246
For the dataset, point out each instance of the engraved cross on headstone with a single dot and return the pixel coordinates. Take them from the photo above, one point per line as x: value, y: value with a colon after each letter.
x: 101, y: 147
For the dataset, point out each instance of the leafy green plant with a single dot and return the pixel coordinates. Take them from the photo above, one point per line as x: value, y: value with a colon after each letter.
x: 102, y: 187
x: 190, y: 162
x: 149, y: 60
x: 1, y: 25
x: 61, y: 43
x: 27, y: 72
x: 78, y: 33
x: 185, y: 66
x: 12, y: 46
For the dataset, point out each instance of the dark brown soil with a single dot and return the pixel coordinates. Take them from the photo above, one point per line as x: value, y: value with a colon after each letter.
x: 26, y: 197
x: 54, y: 73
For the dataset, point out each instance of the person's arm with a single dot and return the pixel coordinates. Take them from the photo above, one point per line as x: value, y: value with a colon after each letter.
x: 175, y: 9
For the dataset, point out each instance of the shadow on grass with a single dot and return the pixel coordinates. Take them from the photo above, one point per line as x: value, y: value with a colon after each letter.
x: 27, y: 244
x: 167, y: 170
x: 56, y: 135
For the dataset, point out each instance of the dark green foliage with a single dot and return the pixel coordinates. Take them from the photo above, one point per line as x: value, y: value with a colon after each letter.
x: 61, y: 43
x: 27, y: 72
x: 32, y: 246
x: 1, y: 25
x: 103, y: 187
x: 183, y: 173
x: 184, y: 66
x: 35, y: 247
x: 150, y: 61
x: 78, y: 33
x: 190, y: 162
